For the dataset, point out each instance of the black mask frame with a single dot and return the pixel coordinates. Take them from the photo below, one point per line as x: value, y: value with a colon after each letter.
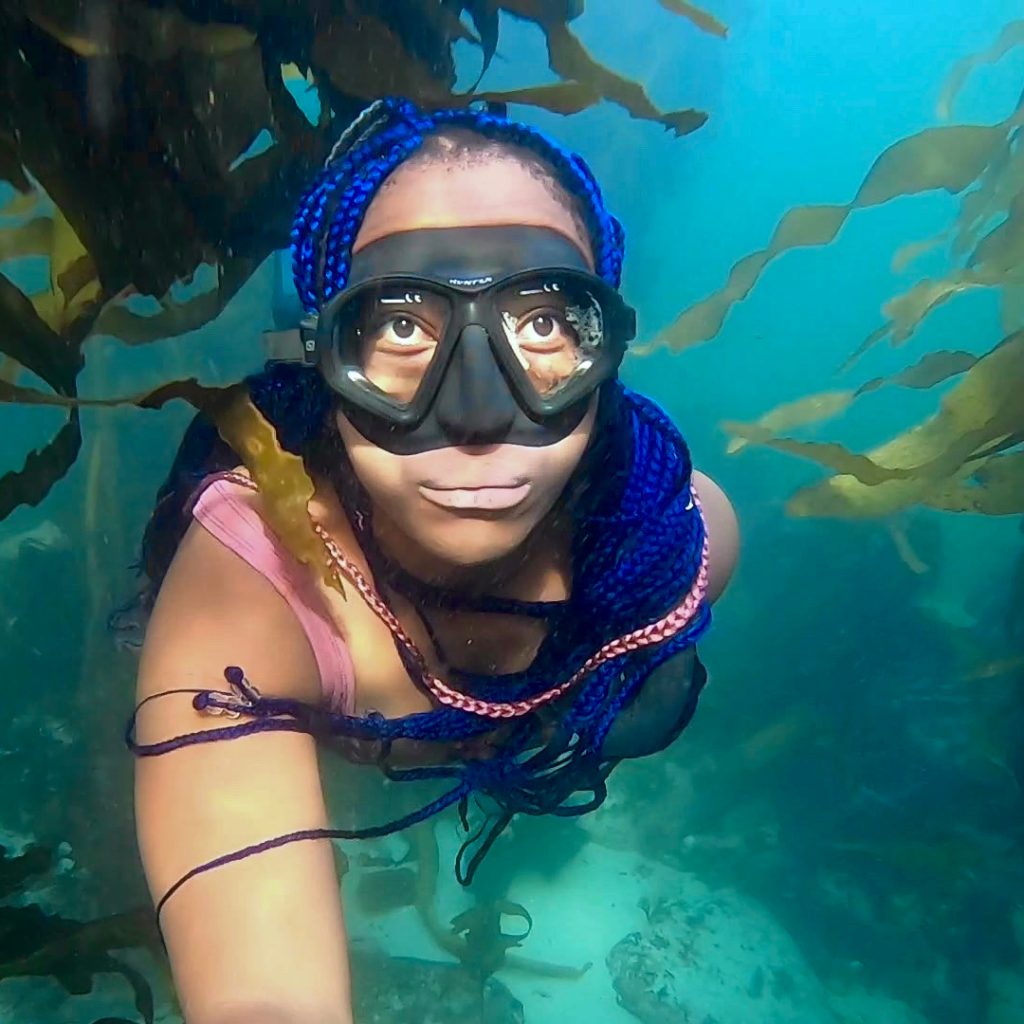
x: 474, y: 338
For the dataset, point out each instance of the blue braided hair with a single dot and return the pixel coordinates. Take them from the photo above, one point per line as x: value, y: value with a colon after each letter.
x: 382, y: 138
x: 637, y: 534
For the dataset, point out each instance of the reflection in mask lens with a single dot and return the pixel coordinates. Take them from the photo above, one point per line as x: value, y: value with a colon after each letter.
x: 553, y: 331
x: 393, y: 334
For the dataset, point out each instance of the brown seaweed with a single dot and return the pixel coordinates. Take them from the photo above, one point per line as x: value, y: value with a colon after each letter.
x: 701, y: 18
x: 149, y: 178
x: 1011, y: 36
x: 948, y: 158
x: 967, y: 457
x: 569, y: 59
x: 931, y: 369
x: 35, y: 944
x: 40, y: 945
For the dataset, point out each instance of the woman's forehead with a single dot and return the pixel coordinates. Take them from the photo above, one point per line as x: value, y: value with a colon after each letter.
x: 481, y: 193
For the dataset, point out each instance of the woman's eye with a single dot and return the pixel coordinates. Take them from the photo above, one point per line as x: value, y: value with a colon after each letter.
x: 541, y: 328
x: 403, y: 331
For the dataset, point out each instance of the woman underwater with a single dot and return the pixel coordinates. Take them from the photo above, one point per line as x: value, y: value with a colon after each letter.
x: 522, y: 557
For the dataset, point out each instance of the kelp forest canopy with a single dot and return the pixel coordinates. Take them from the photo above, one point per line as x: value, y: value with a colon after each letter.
x: 128, y: 134
x: 969, y: 455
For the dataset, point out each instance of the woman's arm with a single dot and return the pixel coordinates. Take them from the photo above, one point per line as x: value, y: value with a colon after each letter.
x: 723, y: 533
x: 261, y: 939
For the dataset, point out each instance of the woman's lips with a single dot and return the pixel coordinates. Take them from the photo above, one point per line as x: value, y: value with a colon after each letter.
x: 489, y: 498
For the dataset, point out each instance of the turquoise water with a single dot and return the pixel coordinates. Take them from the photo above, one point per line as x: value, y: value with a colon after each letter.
x: 838, y: 835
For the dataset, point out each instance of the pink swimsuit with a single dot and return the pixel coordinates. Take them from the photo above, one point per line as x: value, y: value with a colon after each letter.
x: 228, y: 513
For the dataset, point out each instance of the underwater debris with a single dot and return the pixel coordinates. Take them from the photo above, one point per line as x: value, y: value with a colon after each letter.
x: 966, y: 457
x: 485, y: 942
x: 191, y: 87
x: 475, y: 937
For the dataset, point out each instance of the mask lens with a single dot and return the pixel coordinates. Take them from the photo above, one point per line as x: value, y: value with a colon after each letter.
x: 390, y: 335
x: 555, y: 328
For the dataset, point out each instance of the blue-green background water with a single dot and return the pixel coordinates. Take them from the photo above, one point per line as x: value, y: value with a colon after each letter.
x: 841, y: 770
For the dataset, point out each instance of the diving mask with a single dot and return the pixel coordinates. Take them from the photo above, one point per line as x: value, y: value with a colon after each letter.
x: 457, y: 336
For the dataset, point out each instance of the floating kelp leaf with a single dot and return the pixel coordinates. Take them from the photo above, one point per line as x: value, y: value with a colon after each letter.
x: 10, y: 370
x: 42, y: 469
x: 701, y: 18
x: 1002, y: 249
x: 1011, y: 308
x: 74, y: 284
x: 20, y: 204
x: 73, y: 281
x: 559, y: 98
x: 569, y: 59
x: 1002, y: 444
x: 997, y: 489
x: 26, y: 338
x: 280, y: 476
x: 1011, y: 36
x: 841, y: 460
x: 947, y: 158
x: 929, y: 370
x: 484, y: 14
x: 363, y: 56
x: 908, y: 253
x: 982, y: 407
x: 133, y: 28
x: 908, y: 556
x: 32, y: 238
x: 1000, y: 183
x: 787, y: 416
x: 174, y: 318
x: 202, y: 397
x: 907, y: 311
x: 447, y: 24
x: 543, y: 12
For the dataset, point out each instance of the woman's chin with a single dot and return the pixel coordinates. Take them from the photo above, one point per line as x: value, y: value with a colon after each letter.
x: 472, y: 542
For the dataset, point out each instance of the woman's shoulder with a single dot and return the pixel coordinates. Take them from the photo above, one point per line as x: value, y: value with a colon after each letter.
x: 214, y: 609
x: 723, y: 533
